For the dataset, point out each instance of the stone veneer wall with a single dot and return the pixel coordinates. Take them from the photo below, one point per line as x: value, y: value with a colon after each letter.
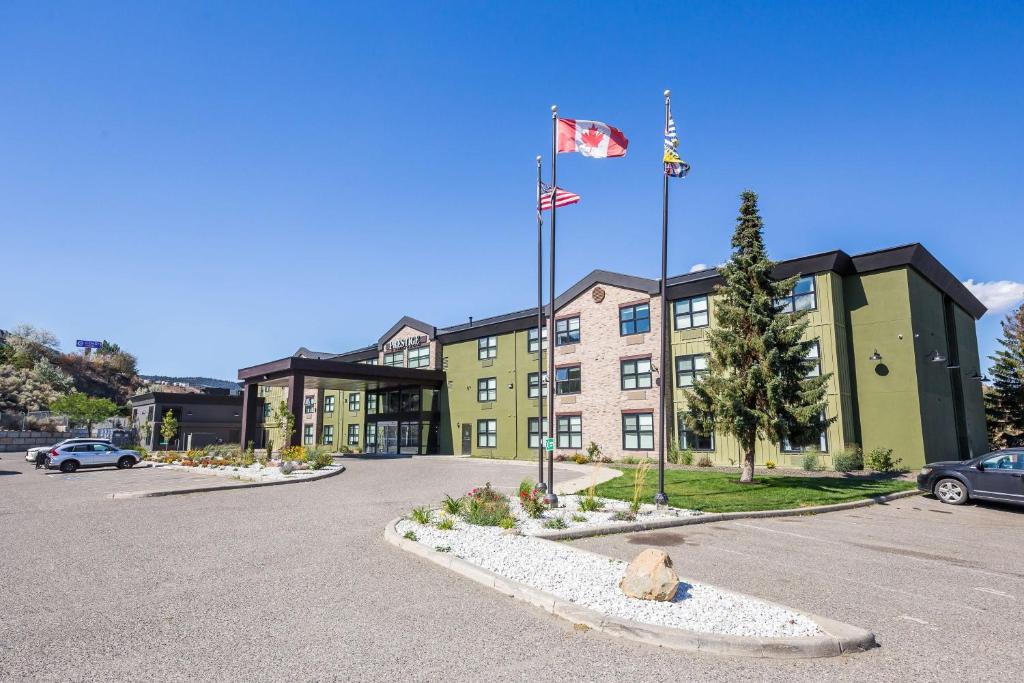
x: 19, y: 441
x: 602, y: 401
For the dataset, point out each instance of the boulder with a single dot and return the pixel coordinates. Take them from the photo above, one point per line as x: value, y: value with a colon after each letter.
x: 650, y: 576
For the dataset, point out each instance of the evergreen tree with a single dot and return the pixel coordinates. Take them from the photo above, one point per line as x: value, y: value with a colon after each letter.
x: 757, y: 386
x: 1004, y: 404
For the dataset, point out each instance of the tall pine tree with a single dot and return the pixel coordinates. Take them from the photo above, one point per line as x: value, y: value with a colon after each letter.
x: 1004, y: 404
x: 757, y: 385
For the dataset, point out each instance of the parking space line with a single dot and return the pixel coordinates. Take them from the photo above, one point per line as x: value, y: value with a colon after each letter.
x: 994, y: 592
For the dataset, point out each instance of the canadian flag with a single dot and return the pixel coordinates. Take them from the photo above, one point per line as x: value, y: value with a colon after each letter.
x: 591, y: 139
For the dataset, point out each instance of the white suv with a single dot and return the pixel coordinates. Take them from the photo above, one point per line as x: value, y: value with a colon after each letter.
x: 30, y: 454
x: 70, y: 457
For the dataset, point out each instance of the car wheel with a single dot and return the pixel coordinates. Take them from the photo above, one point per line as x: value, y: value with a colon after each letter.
x: 68, y: 466
x: 951, y: 491
x: 125, y: 462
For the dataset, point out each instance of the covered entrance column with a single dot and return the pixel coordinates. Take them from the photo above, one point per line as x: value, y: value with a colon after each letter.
x: 250, y: 406
x: 296, y: 390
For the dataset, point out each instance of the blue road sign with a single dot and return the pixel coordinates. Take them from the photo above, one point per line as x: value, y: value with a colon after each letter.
x: 86, y: 344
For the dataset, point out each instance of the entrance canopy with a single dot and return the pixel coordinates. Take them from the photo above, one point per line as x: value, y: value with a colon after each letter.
x: 298, y: 374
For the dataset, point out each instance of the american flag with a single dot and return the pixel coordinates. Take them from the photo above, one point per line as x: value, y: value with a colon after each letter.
x: 565, y: 198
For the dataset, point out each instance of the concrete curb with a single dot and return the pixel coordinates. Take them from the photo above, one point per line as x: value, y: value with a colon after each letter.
x: 156, y: 493
x: 607, y: 471
x: 840, y: 638
x: 608, y: 529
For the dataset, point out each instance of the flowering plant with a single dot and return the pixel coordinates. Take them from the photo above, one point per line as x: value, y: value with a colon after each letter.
x: 532, y: 502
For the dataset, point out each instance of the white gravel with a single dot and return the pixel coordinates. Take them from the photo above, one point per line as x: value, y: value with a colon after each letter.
x: 254, y: 472
x: 592, y: 581
x: 569, y: 508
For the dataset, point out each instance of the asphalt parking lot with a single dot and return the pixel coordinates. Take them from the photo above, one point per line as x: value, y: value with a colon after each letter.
x: 296, y: 583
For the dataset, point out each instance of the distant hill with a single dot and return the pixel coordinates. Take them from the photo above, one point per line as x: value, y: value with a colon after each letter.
x: 198, y: 382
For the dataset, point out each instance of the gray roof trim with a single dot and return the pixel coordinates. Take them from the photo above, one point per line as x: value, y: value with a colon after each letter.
x: 303, y: 352
x: 357, y: 355
x: 164, y: 397
x: 407, y: 321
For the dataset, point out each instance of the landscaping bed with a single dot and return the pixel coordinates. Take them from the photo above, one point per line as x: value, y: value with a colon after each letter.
x: 715, y: 491
x: 496, y: 533
x: 234, y: 463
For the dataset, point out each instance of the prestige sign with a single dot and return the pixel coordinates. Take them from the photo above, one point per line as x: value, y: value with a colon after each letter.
x: 407, y: 343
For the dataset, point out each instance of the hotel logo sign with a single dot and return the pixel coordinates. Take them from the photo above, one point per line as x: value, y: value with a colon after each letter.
x: 407, y: 343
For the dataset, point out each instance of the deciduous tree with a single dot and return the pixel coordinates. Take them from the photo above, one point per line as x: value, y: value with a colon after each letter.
x: 83, y: 409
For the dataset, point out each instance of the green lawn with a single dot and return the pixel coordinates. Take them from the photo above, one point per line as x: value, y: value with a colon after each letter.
x: 722, y: 492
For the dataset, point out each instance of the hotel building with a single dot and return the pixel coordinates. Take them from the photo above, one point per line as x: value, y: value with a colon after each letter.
x: 894, y: 327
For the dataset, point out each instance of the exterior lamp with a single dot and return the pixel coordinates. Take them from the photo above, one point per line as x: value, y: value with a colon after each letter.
x: 937, y: 357
x: 876, y: 356
x: 978, y: 376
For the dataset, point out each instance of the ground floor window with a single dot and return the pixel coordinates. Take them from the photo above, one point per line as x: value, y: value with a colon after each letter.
x: 534, y: 438
x: 487, y: 433
x: 353, y: 435
x: 819, y: 444
x: 638, y: 431
x: 570, y: 431
x: 328, y: 438
x: 690, y: 440
x: 371, y: 437
x: 307, y: 435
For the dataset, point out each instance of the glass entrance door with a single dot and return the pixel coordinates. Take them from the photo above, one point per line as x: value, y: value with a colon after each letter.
x: 387, y: 437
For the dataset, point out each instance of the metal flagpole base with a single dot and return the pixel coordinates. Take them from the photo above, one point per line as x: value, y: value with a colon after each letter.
x: 550, y: 499
x: 541, y: 487
x: 661, y: 498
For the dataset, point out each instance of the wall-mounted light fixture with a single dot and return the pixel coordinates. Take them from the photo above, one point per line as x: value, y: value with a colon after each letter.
x: 978, y: 376
x: 510, y: 385
x: 937, y: 357
x: 876, y: 356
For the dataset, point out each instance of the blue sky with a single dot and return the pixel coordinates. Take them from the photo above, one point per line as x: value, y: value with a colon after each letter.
x: 213, y: 185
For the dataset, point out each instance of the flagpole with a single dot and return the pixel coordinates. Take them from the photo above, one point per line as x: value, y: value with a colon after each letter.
x: 540, y: 338
x: 661, y: 498
x: 550, y: 498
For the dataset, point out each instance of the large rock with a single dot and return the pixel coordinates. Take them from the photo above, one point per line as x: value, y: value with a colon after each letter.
x: 650, y: 577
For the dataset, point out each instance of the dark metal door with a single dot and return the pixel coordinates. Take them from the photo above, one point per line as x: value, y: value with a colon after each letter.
x: 467, y: 439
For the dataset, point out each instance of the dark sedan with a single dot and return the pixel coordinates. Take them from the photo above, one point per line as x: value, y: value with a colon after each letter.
x: 997, y: 476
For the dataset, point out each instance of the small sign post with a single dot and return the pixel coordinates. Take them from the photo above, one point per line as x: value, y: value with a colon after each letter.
x: 549, y: 444
x: 86, y: 344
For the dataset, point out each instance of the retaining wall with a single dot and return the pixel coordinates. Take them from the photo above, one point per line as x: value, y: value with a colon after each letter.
x: 19, y: 441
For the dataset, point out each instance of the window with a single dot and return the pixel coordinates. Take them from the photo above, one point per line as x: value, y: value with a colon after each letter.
x: 409, y: 435
x: 533, y: 440
x: 694, y: 441
x: 371, y: 437
x: 307, y: 435
x: 814, y: 356
x: 410, y: 401
x: 692, y: 312
x: 371, y: 403
x: 353, y: 401
x: 634, y: 319
x: 819, y: 444
x: 396, y: 359
x: 328, y: 404
x: 267, y: 409
x: 533, y: 391
x: 328, y: 438
x: 353, y: 435
x: 369, y: 361
x: 567, y: 380
x: 487, y: 389
x: 486, y: 347
x: 309, y: 404
x: 531, y: 339
x: 567, y: 331
x: 689, y: 368
x: 636, y: 374
x: 802, y: 297
x: 487, y: 433
x: 419, y: 358
x: 570, y: 431
x: 638, y: 431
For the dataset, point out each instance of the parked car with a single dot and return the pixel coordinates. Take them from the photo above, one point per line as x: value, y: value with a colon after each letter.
x: 70, y: 457
x: 30, y: 454
x: 997, y: 476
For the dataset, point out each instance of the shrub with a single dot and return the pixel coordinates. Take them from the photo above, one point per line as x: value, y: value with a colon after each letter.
x: 593, y: 451
x: 533, y: 504
x: 705, y: 461
x: 452, y: 506
x: 410, y: 535
x: 639, y: 482
x: 607, y: 458
x: 810, y: 462
x: 881, y: 460
x: 507, y: 522
x: 630, y: 460
x: 559, y: 457
x: 579, y: 518
x: 485, y: 507
x: 851, y: 459
x: 421, y: 515
x: 446, y: 523
x: 555, y: 523
x: 770, y: 464
x: 526, y: 486
x: 686, y: 457
x: 589, y: 503
x: 623, y: 516
x: 319, y: 458
x: 295, y: 453
x: 141, y: 450
x: 580, y: 459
